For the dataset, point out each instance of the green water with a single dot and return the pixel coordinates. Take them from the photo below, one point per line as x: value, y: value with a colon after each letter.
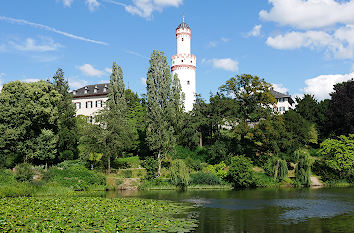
x: 265, y: 210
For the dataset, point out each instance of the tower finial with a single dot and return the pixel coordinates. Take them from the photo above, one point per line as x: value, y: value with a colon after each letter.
x: 183, y: 17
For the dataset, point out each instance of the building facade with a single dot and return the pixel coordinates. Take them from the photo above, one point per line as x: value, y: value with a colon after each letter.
x: 89, y: 100
x: 184, y: 65
x: 284, y: 102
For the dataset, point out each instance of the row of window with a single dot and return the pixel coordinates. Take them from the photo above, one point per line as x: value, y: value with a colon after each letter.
x: 279, y: 109
x: 282, y: 100
x: 89, y: 104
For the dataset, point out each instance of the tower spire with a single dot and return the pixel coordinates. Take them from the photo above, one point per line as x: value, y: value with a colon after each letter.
x: 183, y: 17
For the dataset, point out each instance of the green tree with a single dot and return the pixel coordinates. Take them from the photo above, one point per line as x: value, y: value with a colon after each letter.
x: 45, y: 147
x: 339, y: 154
x: 253, y: 95
x: 240, y: 173
x: 67, y: 129
x: 25, y: 109
x: 116, y: 134
x: 303, y: 167
x: 341, y: 109
x: 179, y: 173
x: 307, y: 107
x: 160, y: 133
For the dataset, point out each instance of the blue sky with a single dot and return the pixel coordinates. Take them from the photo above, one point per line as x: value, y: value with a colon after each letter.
x: 300, y: 46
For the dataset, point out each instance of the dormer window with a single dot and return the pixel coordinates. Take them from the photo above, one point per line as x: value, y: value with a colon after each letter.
x: 188, y: 82
x: 86, y: 90
x: 74, y: 92
x: 95, y: 90
x: 105, y: 88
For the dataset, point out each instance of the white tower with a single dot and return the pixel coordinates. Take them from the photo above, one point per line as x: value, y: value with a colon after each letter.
x: 184, y: 64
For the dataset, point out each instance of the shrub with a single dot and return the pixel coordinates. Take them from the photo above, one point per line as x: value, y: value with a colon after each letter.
x: 303, y: 167
x: 193, y: 164
x: 204, y: 178
x: 262, y: 180
x: 74, y: 175
x: 7, y: 177
x: 179, y: 173
x: 240, y: 172
x: 129, y: 162
x: 151, y: 165
x: 276, y: 168
x: 218, y: 169
x: 24, y: 172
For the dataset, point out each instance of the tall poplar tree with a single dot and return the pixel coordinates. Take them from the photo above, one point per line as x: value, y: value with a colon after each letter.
x: 67, y: 129
x: 116, y: 134
x: 160, y: 133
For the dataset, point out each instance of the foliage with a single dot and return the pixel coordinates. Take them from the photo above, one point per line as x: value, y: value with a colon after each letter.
x: 45, y: 147
x: 116, y: 135
x: 7, y: 177
x: 307, y: 107
x: 89, y: 214
x: 276, y: 168
x: 341, y: 109
x: 253, y: 95
x: 67, y: 136
x: 200, y: 153
x: 130, y: 162
x: 74, y: 175
x: 262, y: 180
x: 24, y: 172
x: 339, y: 154
x: 219, y: 170
x: 204, y: 178
x: 25, y: 109
x: 240, y: 172
x: 151, y: 166
x: 303, y: 167
x: 179, y: 173
x: 160, y: 132
x: 193, y: 164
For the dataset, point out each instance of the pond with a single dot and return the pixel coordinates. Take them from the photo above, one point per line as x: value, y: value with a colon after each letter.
x: 264, y: 210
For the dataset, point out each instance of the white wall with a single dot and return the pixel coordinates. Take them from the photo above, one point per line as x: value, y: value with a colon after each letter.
x: 88, y: 111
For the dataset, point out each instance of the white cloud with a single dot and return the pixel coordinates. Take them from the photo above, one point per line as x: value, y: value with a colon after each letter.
x: 322, y: 85
x: 30, y: 44
x: 223, y: 39
x: 227, y: 64
x: 136, y: 54
x: 307, y: 14
x: 340, y: 43
x: 256, y: 31
x: 76, y: 84
x: 92, y: 4
x: 145, y: 8
x: 67, y: 3
x: 31, y: 80
x: 143, y: 81
x: 89, y: 70
x: 47, y: 28
x: 214, y: 43
x: 108, y: 70
x: 280, y: 88
x: 2, y: 75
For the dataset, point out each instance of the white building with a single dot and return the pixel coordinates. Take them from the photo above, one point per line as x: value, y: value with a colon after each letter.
x: 90, y: 99
x: 284, y: 102
x: 184, y: 64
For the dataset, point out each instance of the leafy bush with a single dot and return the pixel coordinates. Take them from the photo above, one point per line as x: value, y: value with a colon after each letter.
x: 218, y: 169
x: 276, y: 168
x: 16, y: 190
x: 200, y: 154
x: 74, y: 175
x: 7, y: 177
x: 303, y: 167
x: 193, y: 164
x: 151, y: 165
x: 179, y: 173
x: 204, y: 178
x: 129, y: 162
x: 24, y: 172
x: 240, y: 172
x: 262, y: 180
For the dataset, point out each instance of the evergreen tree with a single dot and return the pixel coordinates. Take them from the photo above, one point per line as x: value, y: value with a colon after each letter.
x: 160, y: 133
x: 178, y: 117
x: 116, y: 134
x: 67, y: 129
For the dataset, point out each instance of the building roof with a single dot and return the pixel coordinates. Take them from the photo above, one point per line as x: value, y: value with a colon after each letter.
x: 279, y: 95
x: 91, y: 90
x: 183, y: 25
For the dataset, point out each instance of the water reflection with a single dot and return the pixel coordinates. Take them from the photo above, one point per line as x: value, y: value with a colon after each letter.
x: 266, y: 210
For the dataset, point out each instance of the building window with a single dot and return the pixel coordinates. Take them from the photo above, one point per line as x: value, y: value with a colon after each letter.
x: 182, y: 39
x: 78, y: 105
x: 182, y: 61
x: 90, y: 119
x: 89, y: 104
x: 188, y: 82
x: 99, y: 104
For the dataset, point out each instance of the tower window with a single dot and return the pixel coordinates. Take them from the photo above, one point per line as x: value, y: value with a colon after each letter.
x: 188, y: 82
x: 182, y: 60
x: 182, y: 39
